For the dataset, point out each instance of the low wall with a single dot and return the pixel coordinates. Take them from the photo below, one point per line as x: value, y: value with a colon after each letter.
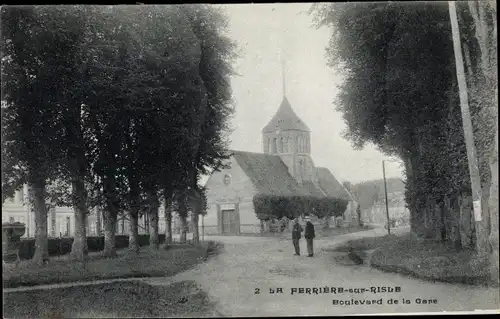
x: 250, y: 229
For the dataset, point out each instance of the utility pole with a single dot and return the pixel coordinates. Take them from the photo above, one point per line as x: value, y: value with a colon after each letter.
x: 481, y: 234
x: 202, y: 228
x: 386, y: 200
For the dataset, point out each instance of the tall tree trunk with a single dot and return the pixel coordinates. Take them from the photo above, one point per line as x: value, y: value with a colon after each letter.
x: 182, y: 213
x: 133, y: 230
x: 98, y: 213
x: 79, y: 248
x: 493, y: 205
x: 358, y: 211
x: 110, y: 216
x: 37, y: 196
x: 154, y: 241
x: 466, y: 221
x: 455, y: 224
x: 196, y: 234
x: 109, y: 234
x: 183, y: 235
x: 168, y: 226
x: 415, y: 212
x: 168, y: 216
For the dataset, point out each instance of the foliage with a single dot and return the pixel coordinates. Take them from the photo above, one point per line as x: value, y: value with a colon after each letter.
x: 271, y: 206
x: 147, y: 111
x: 369, y: 192
x: 400, y: 93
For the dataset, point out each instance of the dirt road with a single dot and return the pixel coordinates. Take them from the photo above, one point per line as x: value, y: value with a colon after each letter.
x: 240, y: 279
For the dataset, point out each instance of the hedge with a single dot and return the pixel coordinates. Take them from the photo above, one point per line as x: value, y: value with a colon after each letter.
x: 62, y: 246
x: 271, y: 206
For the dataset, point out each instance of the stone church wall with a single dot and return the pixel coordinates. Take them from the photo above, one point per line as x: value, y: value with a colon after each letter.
x: 230, y: 186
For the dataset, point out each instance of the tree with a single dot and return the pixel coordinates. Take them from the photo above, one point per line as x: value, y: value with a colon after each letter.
x: 477, y: 21
x: 31, y: 126
x: 400, y: 93
x: 358, y: 212
x: 209, y: 140
x: 71, y: 26
x: 396, y: 92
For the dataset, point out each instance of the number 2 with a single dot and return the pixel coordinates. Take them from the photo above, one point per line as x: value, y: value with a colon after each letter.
x: 257, y: 291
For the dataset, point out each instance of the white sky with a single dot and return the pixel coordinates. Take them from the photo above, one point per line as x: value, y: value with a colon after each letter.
x: 262, y: 31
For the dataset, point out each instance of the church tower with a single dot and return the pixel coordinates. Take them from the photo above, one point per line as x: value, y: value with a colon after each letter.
x: 287, y: 136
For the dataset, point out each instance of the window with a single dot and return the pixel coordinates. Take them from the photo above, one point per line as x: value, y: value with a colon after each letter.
x: 92, y: 229
x: 59, y: 227
x: 297, y: 144
x: 161, y: 225
x: 275, y: 148
x: 11, y: 219
x: 68, y: 220
x: 269, y: 145
x: 227, y: 179
x: 53, y: 222
x: 301, y: 168
x: 281, y: 145
x: 285, y: 145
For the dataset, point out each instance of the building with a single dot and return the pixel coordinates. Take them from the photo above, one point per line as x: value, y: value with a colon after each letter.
x: 61, y: 220
x: 284, y: 168
x: 377, y: 214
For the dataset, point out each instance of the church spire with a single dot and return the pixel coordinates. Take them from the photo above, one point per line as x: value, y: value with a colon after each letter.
x: 283, y: 76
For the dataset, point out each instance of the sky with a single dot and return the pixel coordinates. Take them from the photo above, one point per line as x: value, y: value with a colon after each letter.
x: 264, y: 34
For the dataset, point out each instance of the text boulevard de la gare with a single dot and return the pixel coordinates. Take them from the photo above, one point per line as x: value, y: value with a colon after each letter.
x: 349, y: 290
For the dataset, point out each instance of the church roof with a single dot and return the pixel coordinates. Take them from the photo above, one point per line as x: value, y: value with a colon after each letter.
x: 268, y: 174
x: 285, y: 119
x: 330, y: 185
x: 311, y: 188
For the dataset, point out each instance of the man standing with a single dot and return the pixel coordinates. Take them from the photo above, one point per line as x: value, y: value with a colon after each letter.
x: 296, y: 231
x: 309, y: 235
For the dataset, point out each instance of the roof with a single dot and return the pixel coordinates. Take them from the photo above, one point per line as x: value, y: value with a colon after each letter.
x: 285, y: 119
x: 315, y: 191
x: 330, y: 185
x: 268, y: 174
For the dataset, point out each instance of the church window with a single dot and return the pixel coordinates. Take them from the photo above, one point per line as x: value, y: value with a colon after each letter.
x: 285, y: 145
x: 227, y: 179
x: 301, y: 168
x: 297, y: 144
x: 269, y: 145
x: 275, y: 148
x: 301, y: 145
x: 281, y: 145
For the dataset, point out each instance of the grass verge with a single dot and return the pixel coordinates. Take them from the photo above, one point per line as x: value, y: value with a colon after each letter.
x: 166, y: 261
x: 429, y: 260
x: 111, y: 300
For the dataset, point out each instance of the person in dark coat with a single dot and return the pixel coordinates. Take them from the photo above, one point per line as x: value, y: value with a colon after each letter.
x: 296, y: 234
x: 309, y: 236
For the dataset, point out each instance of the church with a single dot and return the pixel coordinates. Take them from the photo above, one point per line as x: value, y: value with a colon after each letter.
x: 285, y: 168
